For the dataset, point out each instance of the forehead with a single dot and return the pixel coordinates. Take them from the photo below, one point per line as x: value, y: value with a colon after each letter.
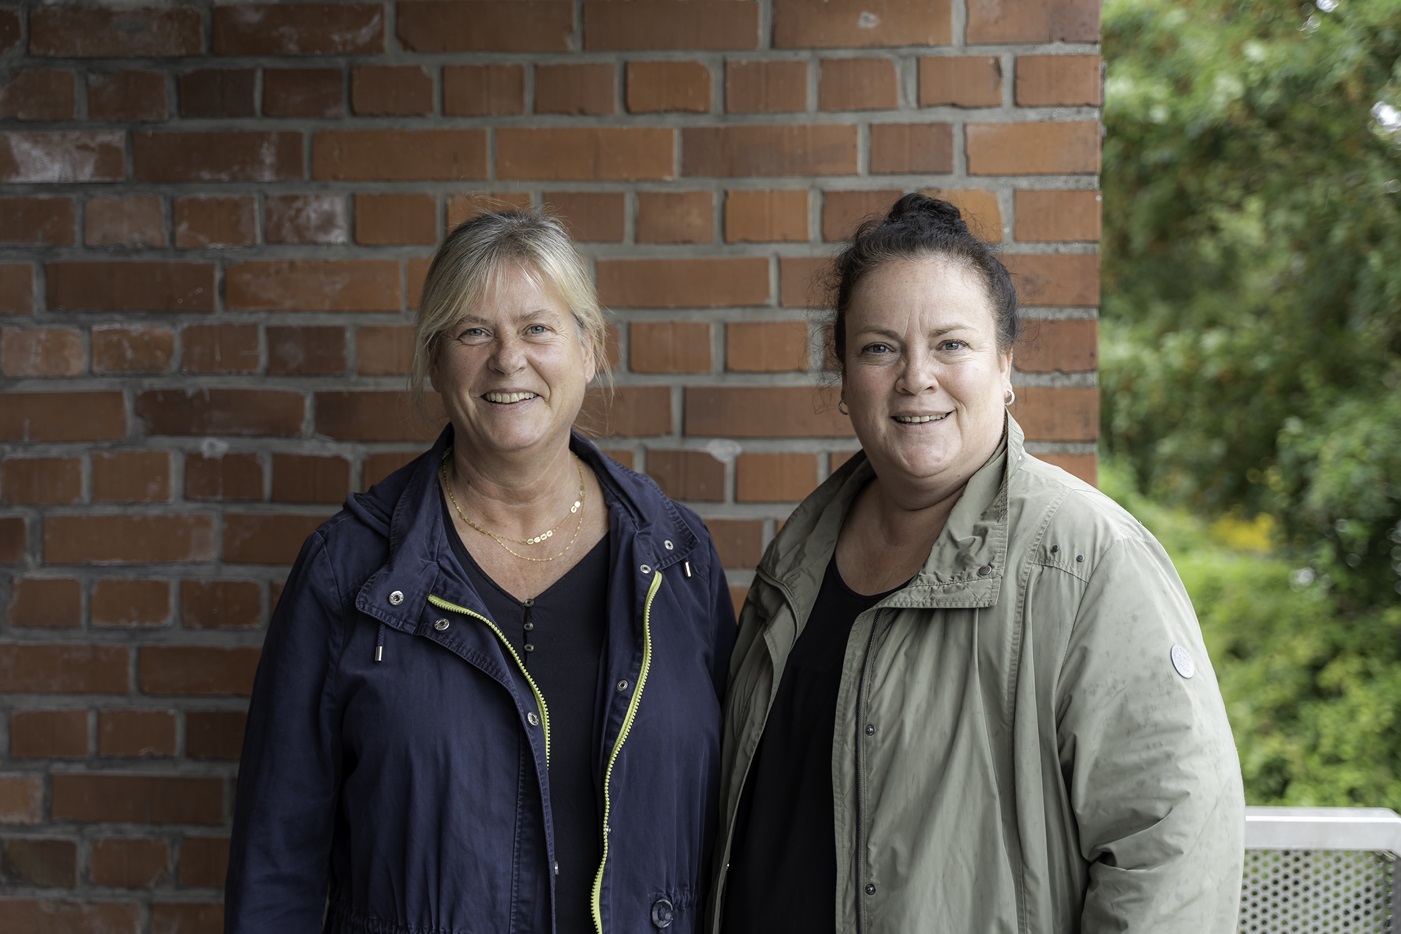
x: 937, y: 289
x: 515, y: 290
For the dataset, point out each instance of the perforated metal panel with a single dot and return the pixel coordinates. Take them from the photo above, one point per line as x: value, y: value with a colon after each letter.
x: 1318, y: 892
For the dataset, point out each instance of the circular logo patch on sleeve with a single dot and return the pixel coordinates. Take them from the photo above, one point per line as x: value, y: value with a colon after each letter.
x: 1182, y: 661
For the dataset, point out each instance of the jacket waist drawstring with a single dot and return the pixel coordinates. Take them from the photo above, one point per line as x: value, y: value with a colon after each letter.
x: 379, y: 644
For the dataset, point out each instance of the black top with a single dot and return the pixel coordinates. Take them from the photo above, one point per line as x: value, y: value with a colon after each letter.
x: 559, y: 637
x: 783, y: 861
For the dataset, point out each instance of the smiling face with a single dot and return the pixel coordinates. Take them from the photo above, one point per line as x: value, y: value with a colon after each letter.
x: 513, y: 371
x: 923, y: 377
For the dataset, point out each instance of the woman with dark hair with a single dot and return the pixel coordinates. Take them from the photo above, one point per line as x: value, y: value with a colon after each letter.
x: 489, y: 699
x: 970, y: 692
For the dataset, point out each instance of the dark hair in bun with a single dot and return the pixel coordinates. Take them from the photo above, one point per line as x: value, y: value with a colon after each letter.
x: 917, y: 227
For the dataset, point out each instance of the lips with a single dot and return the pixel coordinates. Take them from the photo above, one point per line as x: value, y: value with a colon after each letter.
x: 919, y: 419
x: 507, y: 398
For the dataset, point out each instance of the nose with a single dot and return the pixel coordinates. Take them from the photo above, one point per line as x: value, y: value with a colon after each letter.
x: 507, y: 355
x: 920, y: 372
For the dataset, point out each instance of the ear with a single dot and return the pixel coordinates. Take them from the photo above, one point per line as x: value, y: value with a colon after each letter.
x: 1004, y: 366
x: 590, y: 364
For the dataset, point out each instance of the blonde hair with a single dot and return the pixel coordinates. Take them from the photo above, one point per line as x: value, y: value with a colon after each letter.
x: 470, y: 261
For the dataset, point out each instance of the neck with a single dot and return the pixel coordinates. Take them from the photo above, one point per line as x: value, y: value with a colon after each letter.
x: 900, y: 519
x: 515, y: 498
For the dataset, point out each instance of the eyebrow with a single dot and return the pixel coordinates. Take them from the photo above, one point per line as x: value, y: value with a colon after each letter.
x: 897, y: 335
x: 469, y: 320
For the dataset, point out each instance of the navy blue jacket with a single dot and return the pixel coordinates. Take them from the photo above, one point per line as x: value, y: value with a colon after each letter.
x: 393, y: 777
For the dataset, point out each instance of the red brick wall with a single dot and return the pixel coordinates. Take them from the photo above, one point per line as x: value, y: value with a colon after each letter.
x: 213, y: 225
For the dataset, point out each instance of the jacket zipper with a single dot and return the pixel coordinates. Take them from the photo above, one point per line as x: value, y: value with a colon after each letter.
x: 540, y: 705
x: 860, y: 786
x: 596, y: 900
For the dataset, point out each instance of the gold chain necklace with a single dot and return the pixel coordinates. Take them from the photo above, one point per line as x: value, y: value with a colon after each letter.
x: 578, y: 507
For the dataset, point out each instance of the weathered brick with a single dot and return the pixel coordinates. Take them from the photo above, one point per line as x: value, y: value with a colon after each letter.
x: 306, y: 351
x: 669, y: 347
x: 10, y: 31
x: 380, y: 465
x: 960, y: 80
x: 857, y: 84
x: 201, y: 222
x: 687, y: 475
x: 675, y: 217
x: 264, y: 538
x: 1055, y: 278
x: 1056, y: 216
x: 705, y: 282
x: 49, y: 734
x: 384, y: 350
x: 21, y: 802
x: 94, y: 32
x: 223, y: 477
x: 1059, y: 81
x: 40, y: 156
x: 127, y: 539
x: 196, y: 670
x: 134, y: 221
x: 590, y: 216
x: 1005, y: 22
x: 629, y: 411
x: 1038, y: 148
x: 69, y: 668
x: 766, y: 346
x: 662, y: 87
x: 14, y: 539
x: 298, y: 29
x: 155, y: 285
x: 218, y: 92
x: 127, y: 96
x: 486, y: 26
x: 303, y: 92
x: 16, y: 288
x: 126, y: 603
x: 465, y: 206
x: 766, y: 216
x: 766, y: 87
x: 26, y: 221
x: 911, y: 148
x: 798, y: 24
x: 135, y: 349
x: 186, y: 917
x: 388, y: 219
x: 39, y: 94
x: 62, y: 416
x: 979, y: 207
x: 761, y: 412
x: 842, y: 211
x: 309, y: 478
x: 306, y: 219
x: 41, y: 480
x: 42, y: 352
x: 313, y: 285
x: 1059, y: 345
x: 130, y: 477
x: 580, y: 89
x: 369, y: 416
x: 585, y: 153
x: 774, y: 478
x: 391, y: 90
x: 215, y: 156
x: 204, y: 861
x: 214, y: 734
x: 483, y: 90
x: 801, y: 281
x: 48, y: 862
x: 399, y: 155
x: 52, y: 916
x: 129, y: 862
x: 740, y: 542
x: 105, y: 797
x: 745, y: 150
x: 145, y: 734
x: 1059, y: 413
x: 221, y: 604
x: 1084, y: 466
x: 219, y: 411
x: 45, y: 603
x: 657, y: 25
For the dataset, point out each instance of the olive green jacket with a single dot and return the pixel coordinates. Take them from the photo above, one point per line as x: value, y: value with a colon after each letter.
x: 1022, y: 743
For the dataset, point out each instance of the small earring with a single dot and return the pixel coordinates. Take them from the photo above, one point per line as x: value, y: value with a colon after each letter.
x: 1010, y: 397
x: 841, y: 407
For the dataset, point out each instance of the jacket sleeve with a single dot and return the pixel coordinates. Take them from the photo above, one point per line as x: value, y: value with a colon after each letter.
x: 1147, y: 753
x: 289, y: 774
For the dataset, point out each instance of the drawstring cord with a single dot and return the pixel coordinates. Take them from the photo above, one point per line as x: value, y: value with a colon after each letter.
x: 379, y: 645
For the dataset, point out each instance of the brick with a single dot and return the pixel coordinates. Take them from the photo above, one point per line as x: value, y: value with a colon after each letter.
x: 708, y: 282
x: 218, y: 92
x: 215, y: 156
x: 39, y: 94
x: 201, y: 223
x: 153, y: 285
x: 380, y: 465
x: 144, y: 734
x: 313, y: 285
x: 223, y: 477
x: 675, y: 217
x: 127, y: 96
x: 14, y: 539
x: 771, y: 478
x: 16, y: 288
x: 42, y: 352
x: 1058, y: 413
x: 306, y: 351
x: 737, y: 596
x: 483, y: 90
x: 843, y: 24
x: 761, y: 412
x: 369, y: 416
x: 911, y: 149
x: 463, y: 207
x: 629, y: 411
x: 745, y: 150
x: 45, y: 603
x: 129, y: 862
x: 766, y: 346
x: 137, y: 799
x: 303, y: 92
x: 130, y: 604
x: 219, y: 348
x: 204, y: 861
x: 688, y: 475
x: 668, y: 87
x: 843, y: 211
x: 801, y: 281
x: 21, y: 802
x: 125, y: 539
x: 1056, y: 216
x: 1059, y: 81
x: 415, y: 271
x: 49, y: 734
x: 64, y: 669
x: 244, y: 412
x: 186, y: 917
x: 49, y: 862
x: 221, y: 604
x: 309, y: 478
x: 1084, y: 466
x: 1042, y: 148
x: 658, y: 25
x: 26, y: 221
x: 740, y: 542
x: 134, y: 349
x: 1055, y: 278
x: 486, y: 26
x: 960, y: 81
x: 590, y: 216
x: 857, y: 84
x: 586, y: 153
x: 384, y: 350
x: 63, y: 416
x: 10, y: 32
x: 91, y: 32
x: 266, y: 539
x: 766, y: 87
x: 399, y: 155
x: 62, y: 156
x: 299, y: 29
x: 391, y: 91
x: 130, y: 477
x: 1030, y: 22
x: 390, y: 219
x: 669, y: 347
x: 306, y: 219
x: 51, y: 916
x: 1059, y: 346
x: 766, y: 216
x: 136, y: 221
x: 197, y: 670
x: 41, y: 480
x: 587, y: 89
x: 979, y: 208
x: 214, y: 734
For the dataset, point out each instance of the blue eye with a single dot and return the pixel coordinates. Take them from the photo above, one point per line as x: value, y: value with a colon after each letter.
x: 876, y: 348
x: 536, y: 329
x: 954, y: 345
